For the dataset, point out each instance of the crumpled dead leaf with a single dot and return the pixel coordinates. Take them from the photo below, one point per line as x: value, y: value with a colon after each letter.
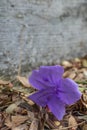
x: 8, y: 122
x: 72, y: 75
x: 21, y: 127
x: 18, y: 119
x: 66, y: 64
x: 72, y: 122
x: 84, y: 62
x: 24, y: 81
x: 84, y: 127
x: 3, y: 82
x: 10, y: 109
x: 34, y: 125
x: 15, y: 121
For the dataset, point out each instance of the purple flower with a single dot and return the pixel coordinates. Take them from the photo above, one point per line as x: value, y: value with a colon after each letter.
x: 54, y: 91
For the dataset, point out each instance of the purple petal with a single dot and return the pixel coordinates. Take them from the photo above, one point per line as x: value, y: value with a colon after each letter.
x: 52, y: 73
x: 46, y: 76
x: 42, y: 97
x: 68, y: 91
x: 57, y: 107
x: 36, y: 80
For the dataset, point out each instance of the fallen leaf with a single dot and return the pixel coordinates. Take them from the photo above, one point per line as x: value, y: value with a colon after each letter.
x: 8, y: 122
x: 18, y: 119
x: 77, y: 60
x: 72, y: 122
x: 21, y: 127
x: 2, y: 82
x: 84, y: 62
x: 66, y: 64
x: 72, y: 75
x: 84, y: 127
x: 85, y: 73
x: 10, y: 109
x: 15, y: 121
x: 79, y: 77
x: 34, y: 125
x: 77, y: 63
x: 66, y: 74
x: 24, y: 81
x: 31, y: 115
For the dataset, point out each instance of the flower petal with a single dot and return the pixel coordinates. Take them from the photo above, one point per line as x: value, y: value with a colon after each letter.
x: 68, y: 91
x: 52, y: 73
x: 42, y: 97
x: 46, y: 76
x: 57, y: 107
x: 36, y: 80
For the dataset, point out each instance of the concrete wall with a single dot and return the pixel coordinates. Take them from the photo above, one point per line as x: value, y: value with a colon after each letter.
x: 42, y: 31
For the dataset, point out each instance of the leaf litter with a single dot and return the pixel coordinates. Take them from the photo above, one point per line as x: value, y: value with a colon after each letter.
x: 19, y: 113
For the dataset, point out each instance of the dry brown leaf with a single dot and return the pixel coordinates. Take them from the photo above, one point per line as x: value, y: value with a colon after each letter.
x: 3, y: 82
x: 77, y: 63
x: 10, y: 109
x: 72, y: 122
x: 18, y: 119
x: 24, y: 81
x: 16, y: 128
x: 85, y: 73
x: 34, y: 125
x: 77, y: 60
x: 8, y: 122
x: 84, y: 127
x: 21, y: 127
x: 72, y: 75
x: 15, y: 121
x: 31, y: 115
x: 84, y: 62
x: 79, y: 77
x: 66, y: 64
x: 66, y: 74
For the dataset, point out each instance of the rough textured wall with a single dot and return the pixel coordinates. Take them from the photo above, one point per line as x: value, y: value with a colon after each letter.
x: 42, y: 31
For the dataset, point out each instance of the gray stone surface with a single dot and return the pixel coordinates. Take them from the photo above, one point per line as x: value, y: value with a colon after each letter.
x: 41, y: 31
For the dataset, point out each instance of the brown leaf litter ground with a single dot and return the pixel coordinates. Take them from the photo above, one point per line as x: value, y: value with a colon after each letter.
x: 19, y: 113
